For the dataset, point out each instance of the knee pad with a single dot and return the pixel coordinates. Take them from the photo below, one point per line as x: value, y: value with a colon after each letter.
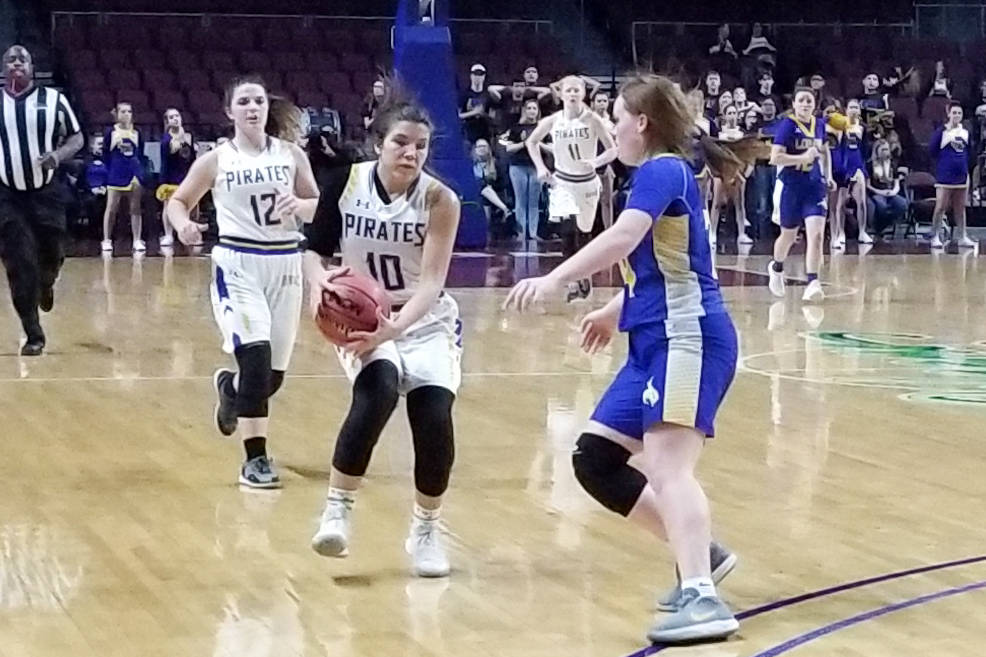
x: 253, y: 389
x: 429, y: 412
x: 375, y: 395
x: 601, y: 468
x: 276, y: 380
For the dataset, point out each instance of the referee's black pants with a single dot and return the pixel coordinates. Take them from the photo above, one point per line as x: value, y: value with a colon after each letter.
x: 32, y: 228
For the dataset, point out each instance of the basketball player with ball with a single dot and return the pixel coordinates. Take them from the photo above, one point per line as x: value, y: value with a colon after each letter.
x: 263, y: 188
x: 394, y: 224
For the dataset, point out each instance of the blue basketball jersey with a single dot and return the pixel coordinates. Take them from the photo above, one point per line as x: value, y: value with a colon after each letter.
x: 796, y: 138
x: 670, y: 274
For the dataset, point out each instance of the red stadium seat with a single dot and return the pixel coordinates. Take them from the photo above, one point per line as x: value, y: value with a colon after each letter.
x: 254, y: 61
x: 181, y: 61
x: 136, y: 97
x: 321, y: 60
x: 353, y: 62
x: 933, y: 109
x: 110, y: 59
x: 214, y: 60
x: 312, y: 98
x: 165, y: 98
x: 204, y: 101
x: 158, y: 78
x: 340, y: 42
x: 194, y: 79
x: 85, y: 80
x: 122, y: 78
x: 301, y: 81
x: 334, y: 83
x: 81, y: 60
x: 289, y: 61
x: 96, y: 105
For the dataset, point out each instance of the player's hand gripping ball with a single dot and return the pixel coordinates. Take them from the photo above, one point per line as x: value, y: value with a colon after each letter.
x: 350, y: 302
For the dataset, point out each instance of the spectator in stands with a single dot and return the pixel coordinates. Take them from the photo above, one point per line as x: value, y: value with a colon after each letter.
x: 759, y: 45
x: 523, y: 175
x: 743, y: 106
x: 886, y: 207
x: 373, y: 102
x: 764, y: 174
x: 712, y: 92
x: 547, y: 100
x: 822, y: 97
x: 492, y: 187
x: 897, y: 80
x: 600, y: 105
x: 949, y: 150
x: 731, y: 192
x: 511, y: 106
x: 474, y: 106
x: 177, y: 153
x: 723, y: 46
x: 123, y: 153
x: 940, y: 84
x: 725, y: 101
x: 766, y: 88
x: 91, y: 184
x: 872, y: 99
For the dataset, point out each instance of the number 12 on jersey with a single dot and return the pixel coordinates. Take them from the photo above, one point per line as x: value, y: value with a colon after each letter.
x: 265, y: 219
x: 388, y: 272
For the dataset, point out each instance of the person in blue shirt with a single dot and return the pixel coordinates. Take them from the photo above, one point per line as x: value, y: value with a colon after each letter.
x: 682, y: 350
x: 804, y: 175
x: 949, y: 150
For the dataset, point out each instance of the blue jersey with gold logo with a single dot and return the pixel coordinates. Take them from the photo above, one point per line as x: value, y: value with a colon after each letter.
x: 670, y: 274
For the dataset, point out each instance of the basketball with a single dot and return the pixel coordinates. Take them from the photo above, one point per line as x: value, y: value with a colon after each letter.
x: 350, y: 304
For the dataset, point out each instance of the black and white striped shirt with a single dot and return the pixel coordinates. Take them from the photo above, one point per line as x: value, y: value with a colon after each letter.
x: 31, y: 125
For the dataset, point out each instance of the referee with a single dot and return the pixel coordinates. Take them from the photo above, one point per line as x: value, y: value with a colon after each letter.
x: 32, y: 219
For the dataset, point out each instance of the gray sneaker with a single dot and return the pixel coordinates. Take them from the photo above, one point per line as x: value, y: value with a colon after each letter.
x: 722, y: 560
x: 225, y: 413
x: 700, y: 618
x: 259, y: 473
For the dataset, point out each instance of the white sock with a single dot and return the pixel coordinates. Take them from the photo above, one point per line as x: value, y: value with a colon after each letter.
x: 703, y: 585
x: 422, y: 514
x: 347, y: 497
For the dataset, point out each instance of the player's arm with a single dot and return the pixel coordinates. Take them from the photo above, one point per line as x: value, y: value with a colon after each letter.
x: 779, y: 157
x: 609, y: 144
x: 827, y: 165
x: 305, y: 188
x: 534, y: 141
x: 443, y: 224
x: 191, y: 190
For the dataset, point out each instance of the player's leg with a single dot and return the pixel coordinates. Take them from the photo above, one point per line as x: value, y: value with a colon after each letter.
x: 113, y: 197
x: 689, y: 374
x: 587, y: 198
x: 18, y: 249
x: 814, y: 236
x: 375, y: 394
x: 941, y: 205
x: 787, y: 214
x: 837, y: 216
x: 716, y: 212
x: 739, y: 203
x: 136, y: 217
x: 431, y: 352
x: 606, y: 196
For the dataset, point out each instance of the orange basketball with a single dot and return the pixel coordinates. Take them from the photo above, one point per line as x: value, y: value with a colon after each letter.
x: 350, y: 304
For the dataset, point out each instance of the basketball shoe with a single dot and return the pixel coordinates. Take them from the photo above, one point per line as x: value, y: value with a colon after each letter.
x: 225, y: 413
x: 722, y: 561
x: 700, y: 618
x: 426, y: 545
x: 332, y: 537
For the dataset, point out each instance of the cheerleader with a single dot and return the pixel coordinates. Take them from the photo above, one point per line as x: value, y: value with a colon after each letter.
x: 177, y: 153
x: 700, y: 167
x: 949, y: 148
x: 731, y: 191
x: 123, y: 152
x: 849, y: 172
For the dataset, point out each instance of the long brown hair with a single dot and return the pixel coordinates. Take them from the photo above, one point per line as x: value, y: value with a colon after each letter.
x: 671, y: 126
x: 283, y: 116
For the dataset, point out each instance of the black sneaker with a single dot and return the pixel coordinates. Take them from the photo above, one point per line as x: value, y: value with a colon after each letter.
x: 33, y: 347
x: 585, y: 288
x: 225, y: 413
x: 47, y: 300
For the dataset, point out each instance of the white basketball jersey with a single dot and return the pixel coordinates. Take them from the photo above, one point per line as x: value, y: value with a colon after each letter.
x: 575, y: 143
x: 384, y: 239
x: 246, y: 188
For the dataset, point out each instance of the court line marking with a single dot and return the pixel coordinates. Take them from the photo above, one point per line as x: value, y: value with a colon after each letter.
x: 97, y: 379
x: 832, y: 590
x: 838, y: 292
x: 865, y: 616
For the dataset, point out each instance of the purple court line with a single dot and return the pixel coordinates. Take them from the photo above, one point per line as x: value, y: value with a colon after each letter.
x: 832, y: 590
x: 869, y: 615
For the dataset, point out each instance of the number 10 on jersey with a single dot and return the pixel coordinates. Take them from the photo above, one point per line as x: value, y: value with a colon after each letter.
x: 388, y: 271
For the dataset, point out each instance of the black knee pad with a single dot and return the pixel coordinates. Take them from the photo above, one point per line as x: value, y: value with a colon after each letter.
x: 429, y: 412
x: 601, y: 467
x: 276, y: 380
x: 374, y: 398
x: 253, y: 388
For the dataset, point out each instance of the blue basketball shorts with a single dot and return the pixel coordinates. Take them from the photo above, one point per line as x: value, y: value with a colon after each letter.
x: 793, y: 203
x: 677, y: 371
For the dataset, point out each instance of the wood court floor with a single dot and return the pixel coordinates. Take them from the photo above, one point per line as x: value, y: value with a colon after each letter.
x: 850, y: 447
